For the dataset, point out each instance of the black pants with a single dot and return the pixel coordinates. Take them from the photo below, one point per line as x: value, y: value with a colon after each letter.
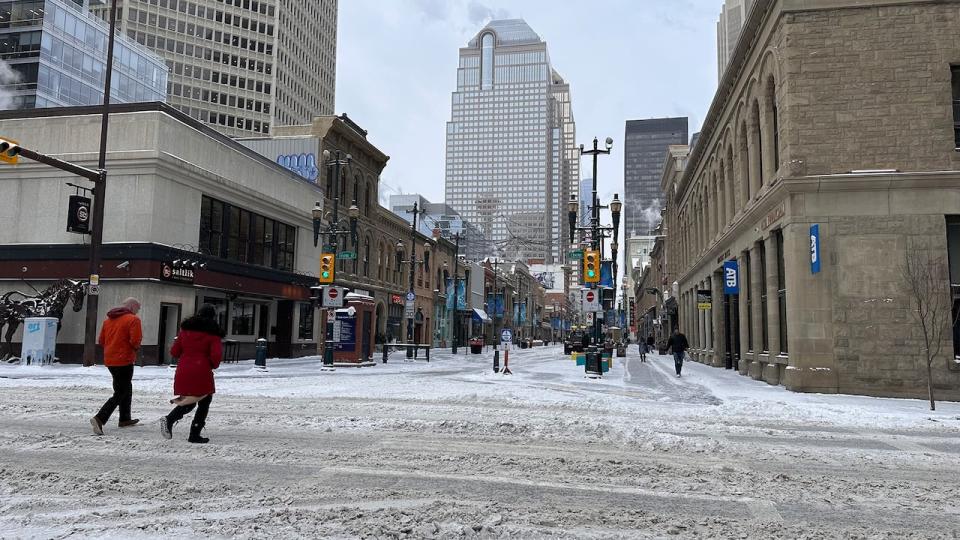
x: 203, y: 407
x: 678, y: 361
x: 122, y: 394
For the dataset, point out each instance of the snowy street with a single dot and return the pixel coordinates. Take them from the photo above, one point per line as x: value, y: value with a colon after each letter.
x: 448, y: 449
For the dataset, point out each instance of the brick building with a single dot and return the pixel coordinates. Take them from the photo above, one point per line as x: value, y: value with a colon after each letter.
x: 834, y: 119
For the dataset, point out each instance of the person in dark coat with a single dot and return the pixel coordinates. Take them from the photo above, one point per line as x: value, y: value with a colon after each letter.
x: 198, y: 350
x: 678, y: 344
x: 644, y: 349
x: 585, y: 340
x: 650, y: 343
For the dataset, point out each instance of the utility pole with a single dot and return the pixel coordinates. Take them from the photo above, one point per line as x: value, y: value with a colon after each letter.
x: 99, y: 197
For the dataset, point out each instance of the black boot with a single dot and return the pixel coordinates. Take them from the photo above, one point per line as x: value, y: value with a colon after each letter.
x: 195, y: 429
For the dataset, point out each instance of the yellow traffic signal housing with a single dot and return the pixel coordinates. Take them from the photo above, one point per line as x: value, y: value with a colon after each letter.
x: 327, y: 267
x: 591, y: 266
x: 9, y: 151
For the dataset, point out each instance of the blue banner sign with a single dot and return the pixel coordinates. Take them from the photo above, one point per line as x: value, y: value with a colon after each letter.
x: 731, y: 278
x: 344, y: 332
x: 814, y: 248
x: 461, y: 294
x: 606, y: 274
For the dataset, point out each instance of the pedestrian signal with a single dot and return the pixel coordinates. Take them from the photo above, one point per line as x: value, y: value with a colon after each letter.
x: 327, y: 267
x: 9, y: 151
x: 591, y: 266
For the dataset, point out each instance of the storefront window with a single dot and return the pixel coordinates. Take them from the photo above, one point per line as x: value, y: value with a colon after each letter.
x: 763, y: 297
x: 305, y: 327
x: 242, y: 318
x: 781, y: 291
x: 220, y: 304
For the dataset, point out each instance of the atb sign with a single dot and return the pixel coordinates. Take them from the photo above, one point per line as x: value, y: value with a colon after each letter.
x: 591, y: 300
x: 731, y: 278
x: 333, y: 296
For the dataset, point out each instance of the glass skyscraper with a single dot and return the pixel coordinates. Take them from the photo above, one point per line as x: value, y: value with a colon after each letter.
x: 56, y: 52
x: 512, y: 162
x: 645, y: 149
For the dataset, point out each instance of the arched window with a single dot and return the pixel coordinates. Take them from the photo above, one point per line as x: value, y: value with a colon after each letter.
x: 758, y: 144
x: 774, y: 122
x: 426, y: 268
x: 486, y: 62
x: 366, y: 257
x: 380, y: 261
x: 366, y: 201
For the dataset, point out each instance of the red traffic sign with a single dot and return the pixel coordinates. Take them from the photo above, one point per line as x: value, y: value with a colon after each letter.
x: 590, y: 296
x: 332, y: 296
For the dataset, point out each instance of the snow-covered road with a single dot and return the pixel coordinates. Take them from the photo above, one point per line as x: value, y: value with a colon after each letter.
x: 449, y: 449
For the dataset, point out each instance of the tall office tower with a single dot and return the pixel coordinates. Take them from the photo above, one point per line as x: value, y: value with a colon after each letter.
x: 241, y: 65
x: 53, y: 53
x: 512, y: 159
x: 645, y: 149
x: 733, y: 15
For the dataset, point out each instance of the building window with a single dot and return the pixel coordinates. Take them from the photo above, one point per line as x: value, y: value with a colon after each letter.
x: 953, y: 255
x: 366, y: 257
x: 764, y: 333
x: 486, y: 62
x: 240, y: 235
x: 781, y: 290
x: 747, y: 277
x: 305, y: 325
x: 955, y: 76
x: 243, y: 317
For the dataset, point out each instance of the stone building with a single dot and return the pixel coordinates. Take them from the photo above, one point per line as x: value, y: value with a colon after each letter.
x: 834, y: 120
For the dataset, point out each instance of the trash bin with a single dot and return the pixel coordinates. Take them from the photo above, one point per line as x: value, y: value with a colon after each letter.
x: 523, y: 344
x: 476, y: 346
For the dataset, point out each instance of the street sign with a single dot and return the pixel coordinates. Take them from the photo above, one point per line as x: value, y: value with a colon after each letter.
x: 703, y: 299
x: 411, y: 297
x: 333, y: 296
x: 591, y: 300
x: 347, y: 255
x: 575, y: 254
x: 506, y: 336
x: 409, y: 309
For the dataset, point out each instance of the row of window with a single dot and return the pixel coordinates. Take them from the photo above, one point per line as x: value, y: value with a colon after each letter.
x: 218, y: 98
x: 214, y: 14
x: 155, y: 21
x: 217, y: 77
x: 158, y: 43
x: 236, y: 234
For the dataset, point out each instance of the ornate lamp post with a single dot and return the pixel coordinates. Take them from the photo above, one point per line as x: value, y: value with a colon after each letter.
x: 333, y: 231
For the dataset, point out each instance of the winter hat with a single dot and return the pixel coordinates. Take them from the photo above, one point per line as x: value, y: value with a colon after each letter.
x: 207, y: 311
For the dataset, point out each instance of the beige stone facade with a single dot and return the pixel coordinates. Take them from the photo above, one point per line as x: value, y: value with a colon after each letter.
x: 835, y: 113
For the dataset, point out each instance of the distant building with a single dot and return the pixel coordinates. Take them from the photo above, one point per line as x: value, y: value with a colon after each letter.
x: 645, y: 145
x: 241, y: 67
x: 56, y: 52
x: 512, y: 159
x: 443, y: 218
x: 732, y: 16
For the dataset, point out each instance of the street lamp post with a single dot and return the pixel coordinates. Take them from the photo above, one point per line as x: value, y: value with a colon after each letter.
x: 453, y: 314
x: 411, y: 295
x: 333, y: 232
x: 597, y: 232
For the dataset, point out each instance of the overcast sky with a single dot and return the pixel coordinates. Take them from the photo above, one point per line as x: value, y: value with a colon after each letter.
x: 624, y: 59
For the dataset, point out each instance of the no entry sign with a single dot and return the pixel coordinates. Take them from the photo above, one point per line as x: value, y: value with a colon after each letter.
x: 591, y: 300
x: 333, y: 296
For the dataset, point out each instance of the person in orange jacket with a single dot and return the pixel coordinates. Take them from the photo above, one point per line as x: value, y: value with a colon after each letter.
x: 120, y: 338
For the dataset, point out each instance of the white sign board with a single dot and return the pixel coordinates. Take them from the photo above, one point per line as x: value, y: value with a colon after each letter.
x: 333, y: 296
x: 409, y: 309
x: 506, y: 336
x: 591, y: 300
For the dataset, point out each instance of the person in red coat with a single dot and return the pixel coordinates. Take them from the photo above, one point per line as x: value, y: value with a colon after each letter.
x: 198, y: 350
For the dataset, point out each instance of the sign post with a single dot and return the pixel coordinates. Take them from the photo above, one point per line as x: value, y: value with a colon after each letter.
x: 591, y: 300
x: 815, y: 248
x: 506, y: 338
x: 333, y: 296
x: 703, y: 299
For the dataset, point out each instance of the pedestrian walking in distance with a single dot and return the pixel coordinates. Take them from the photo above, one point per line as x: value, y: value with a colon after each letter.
x: 644, y: 349
x: 678, y: 344
x: 120, y: 338
x: 198, y: 351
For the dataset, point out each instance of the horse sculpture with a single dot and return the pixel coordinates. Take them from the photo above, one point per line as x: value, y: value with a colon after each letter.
x: 49, y: 303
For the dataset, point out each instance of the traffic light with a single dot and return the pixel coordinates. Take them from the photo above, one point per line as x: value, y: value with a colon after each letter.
x: 327, y: 267
x: 9, y: 151
x: 591, y: 266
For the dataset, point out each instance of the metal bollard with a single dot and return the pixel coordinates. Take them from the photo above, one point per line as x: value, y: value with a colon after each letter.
x: 386, y: 352
x: 496, y: 361
x: 261, y: 360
